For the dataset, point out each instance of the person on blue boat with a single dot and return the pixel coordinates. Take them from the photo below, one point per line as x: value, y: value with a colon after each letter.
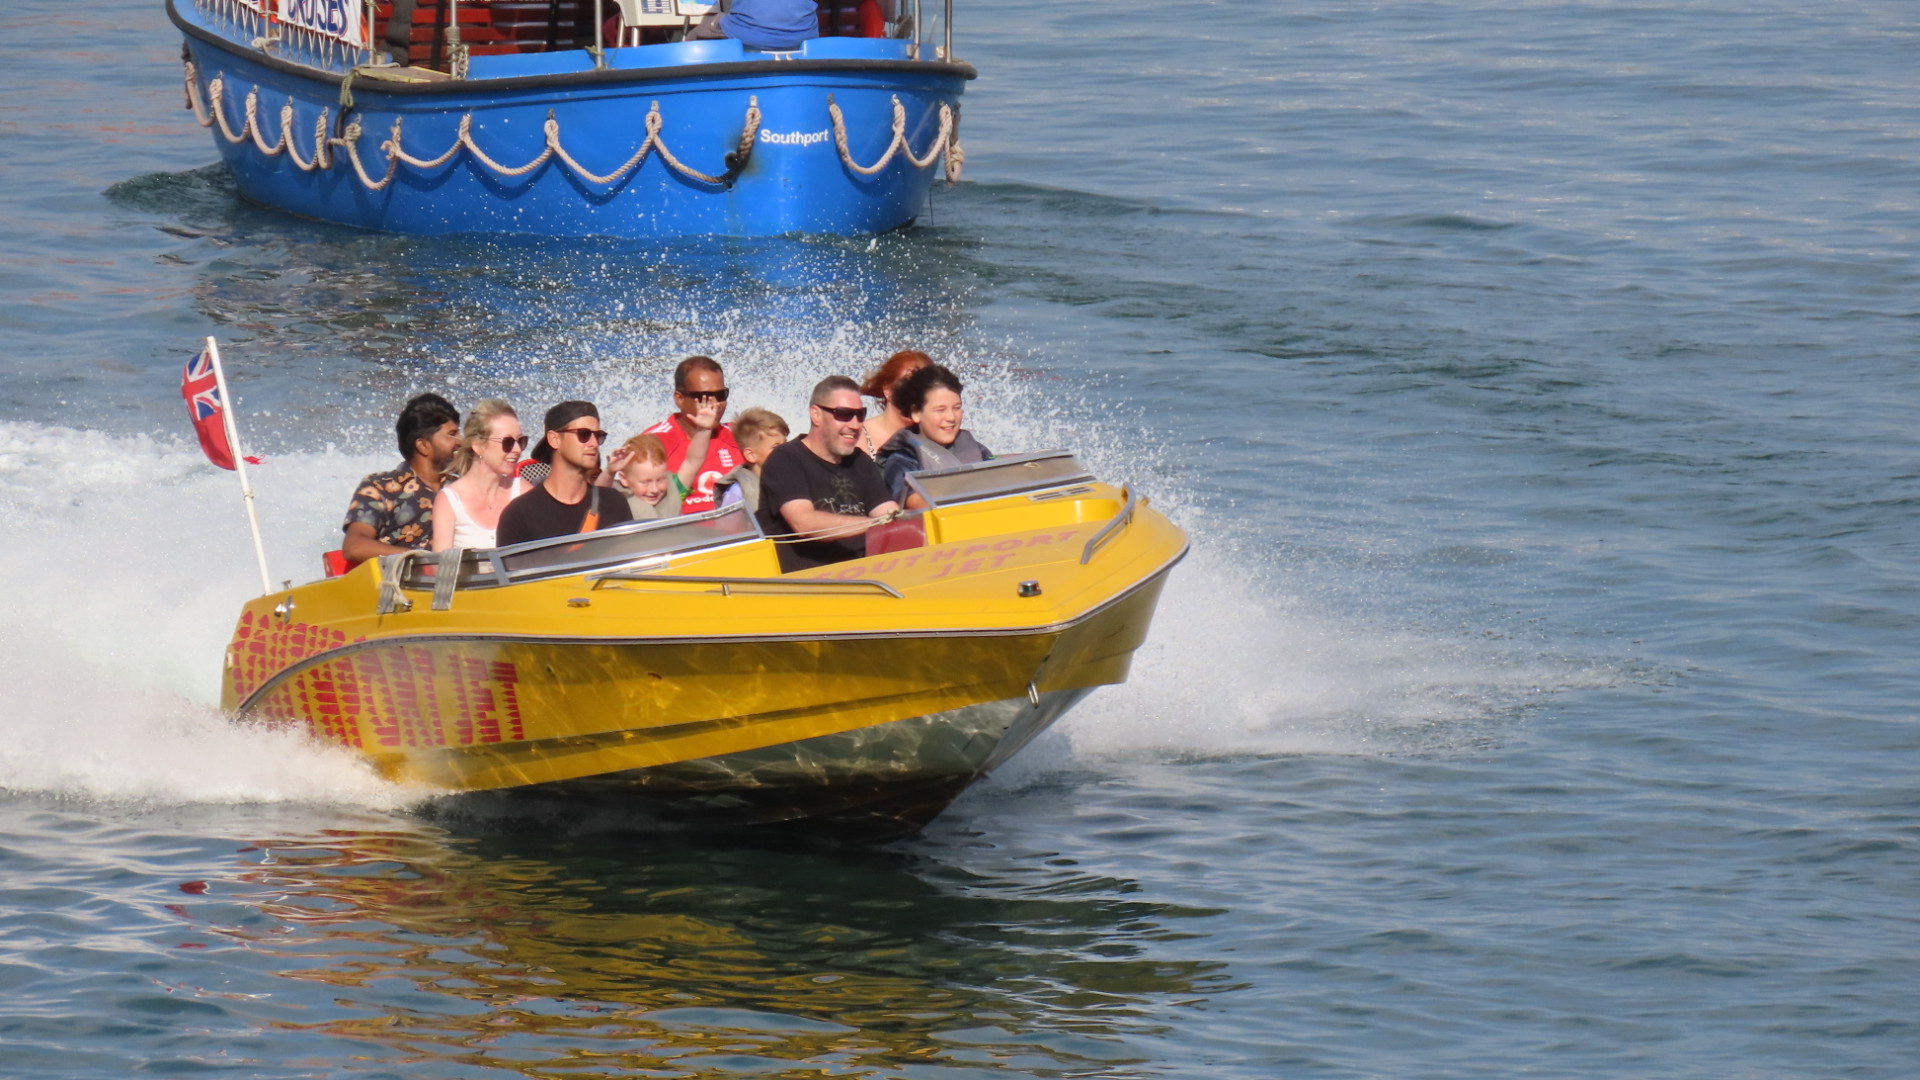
x: 567, y: 501
x: 935, y: 439
x: 774, y: 25
x: 819, y: 489
x: 392, y: 512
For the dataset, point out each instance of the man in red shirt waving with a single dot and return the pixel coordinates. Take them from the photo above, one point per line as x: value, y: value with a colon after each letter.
x: 698, y: 379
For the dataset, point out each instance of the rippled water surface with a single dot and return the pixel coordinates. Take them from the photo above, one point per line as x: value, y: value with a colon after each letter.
x: 1538, y: 382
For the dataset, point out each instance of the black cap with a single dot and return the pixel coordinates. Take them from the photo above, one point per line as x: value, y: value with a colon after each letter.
x: 558, y: 418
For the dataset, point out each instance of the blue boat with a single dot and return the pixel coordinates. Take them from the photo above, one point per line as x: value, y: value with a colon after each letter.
x: 574, y: 117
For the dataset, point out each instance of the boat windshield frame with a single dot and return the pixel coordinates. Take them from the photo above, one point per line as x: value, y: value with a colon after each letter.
x: 997, y: 477
x: 617, y: 547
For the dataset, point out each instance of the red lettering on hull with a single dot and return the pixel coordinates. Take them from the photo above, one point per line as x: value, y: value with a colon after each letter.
x: 394, y: 696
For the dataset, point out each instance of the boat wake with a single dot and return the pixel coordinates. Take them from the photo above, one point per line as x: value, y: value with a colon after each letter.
x: 129, y: 558
x: 79, y: 731
x: 1237, y: 669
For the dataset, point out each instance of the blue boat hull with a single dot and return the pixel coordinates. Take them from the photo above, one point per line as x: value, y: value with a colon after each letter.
x: 465, y: 145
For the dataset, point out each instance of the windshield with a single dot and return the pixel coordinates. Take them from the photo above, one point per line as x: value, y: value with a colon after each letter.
x: 617, y: 546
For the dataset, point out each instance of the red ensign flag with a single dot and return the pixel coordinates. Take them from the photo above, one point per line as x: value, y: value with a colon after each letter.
x: 202, y: 390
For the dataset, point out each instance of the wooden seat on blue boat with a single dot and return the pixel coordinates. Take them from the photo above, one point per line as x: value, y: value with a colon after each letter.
x: 492, y: 28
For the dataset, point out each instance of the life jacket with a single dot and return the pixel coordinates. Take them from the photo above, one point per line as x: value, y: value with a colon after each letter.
x: 852, y: 18
x: 966, y: 450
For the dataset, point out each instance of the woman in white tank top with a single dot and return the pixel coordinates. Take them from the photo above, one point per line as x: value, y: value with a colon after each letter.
x: 467, y: 511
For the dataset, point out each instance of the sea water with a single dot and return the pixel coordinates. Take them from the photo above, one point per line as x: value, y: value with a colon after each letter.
x: 1537, y: 380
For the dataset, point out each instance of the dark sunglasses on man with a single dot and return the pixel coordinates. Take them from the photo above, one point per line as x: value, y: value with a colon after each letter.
x: 843, y: 414
x: 719, y: 395
x: 586, y: 434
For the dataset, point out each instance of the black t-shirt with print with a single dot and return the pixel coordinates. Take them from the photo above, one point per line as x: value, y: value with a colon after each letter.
x: 854, y: 487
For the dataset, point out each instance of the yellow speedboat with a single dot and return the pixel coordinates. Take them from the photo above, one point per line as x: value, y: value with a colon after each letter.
x: 671, y: 661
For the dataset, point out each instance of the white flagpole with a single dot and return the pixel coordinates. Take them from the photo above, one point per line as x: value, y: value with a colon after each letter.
x: 239, y: 462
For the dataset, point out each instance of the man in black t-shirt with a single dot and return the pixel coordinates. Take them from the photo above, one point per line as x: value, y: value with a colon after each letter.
x: 565, y: 502
x: 821, y: 485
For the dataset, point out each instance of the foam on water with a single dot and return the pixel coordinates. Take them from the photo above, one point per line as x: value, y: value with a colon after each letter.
x: 1234, y: 668
x: 111, y: 649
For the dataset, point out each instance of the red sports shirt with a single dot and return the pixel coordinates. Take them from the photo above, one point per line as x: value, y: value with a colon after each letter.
x: 723, y: 455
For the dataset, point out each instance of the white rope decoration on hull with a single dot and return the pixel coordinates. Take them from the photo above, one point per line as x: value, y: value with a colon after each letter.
x: 211, y: 114
x: 947, y: 140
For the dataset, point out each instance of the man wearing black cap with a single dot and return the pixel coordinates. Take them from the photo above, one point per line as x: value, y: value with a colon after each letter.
x: 566, y: 502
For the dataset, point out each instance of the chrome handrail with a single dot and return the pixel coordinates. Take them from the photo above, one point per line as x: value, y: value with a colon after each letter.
x: 729, y: 584
x: 1112, y: 528
x: 503, y: 556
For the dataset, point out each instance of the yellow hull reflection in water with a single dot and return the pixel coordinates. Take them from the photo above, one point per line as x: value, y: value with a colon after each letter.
x: 673, y: 664
x: 617, y: 955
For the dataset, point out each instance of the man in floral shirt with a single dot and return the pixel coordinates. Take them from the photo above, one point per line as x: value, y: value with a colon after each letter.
x: 392, y: 511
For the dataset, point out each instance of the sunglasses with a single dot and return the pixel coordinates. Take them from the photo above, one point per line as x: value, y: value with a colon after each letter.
x: 719, y: 395
x: 510, y: 443
x: 844, y: 415
x: 586, y: 434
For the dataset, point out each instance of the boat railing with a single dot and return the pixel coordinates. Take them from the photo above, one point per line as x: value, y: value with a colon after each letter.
x: 732, y: 586
x: 1000, y: 476
x: 1111, y: 529
x: 333, y: 35
x: 440, y: 35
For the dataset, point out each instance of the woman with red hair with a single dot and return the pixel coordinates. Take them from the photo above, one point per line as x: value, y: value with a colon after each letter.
x: 889, y: 420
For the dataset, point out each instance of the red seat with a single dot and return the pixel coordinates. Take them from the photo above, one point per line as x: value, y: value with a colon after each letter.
x: 335, y: 563
x: 897, y: 535
x: 852, y: 18
x: 502, y: 26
